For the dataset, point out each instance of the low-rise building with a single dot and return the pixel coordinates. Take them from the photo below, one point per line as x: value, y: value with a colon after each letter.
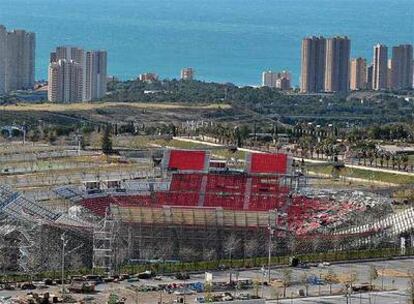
x: 280, y: 80
x: 148, y: 77
x: 187, y: 74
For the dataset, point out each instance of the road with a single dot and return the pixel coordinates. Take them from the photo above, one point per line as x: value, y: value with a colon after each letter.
x: 384, y: 297
x: 395, y: 287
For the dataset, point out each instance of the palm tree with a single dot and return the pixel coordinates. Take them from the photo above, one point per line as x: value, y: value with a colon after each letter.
x: 398, y: 162
x: 359, y: 156
x: 364, y: 155
x: 317, y: 153
x: 381, y: 159
x: 311, y: 150
x: 371, y: 158
x: 387, y: 158
x: 405, y: 159
x: 393, y: 161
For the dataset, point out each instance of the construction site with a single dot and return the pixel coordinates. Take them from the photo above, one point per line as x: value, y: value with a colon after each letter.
x: 165, y: 205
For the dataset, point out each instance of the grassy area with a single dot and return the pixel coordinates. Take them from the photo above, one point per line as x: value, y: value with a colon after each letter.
x: 53, y: 107
x: 385, y: 177
x: 7, y: 147
x: 142, y: 142
x: 150, y: 113
x: 55, y: 164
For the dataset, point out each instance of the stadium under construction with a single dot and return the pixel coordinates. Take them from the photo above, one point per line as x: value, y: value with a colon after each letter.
x: 192, y: 207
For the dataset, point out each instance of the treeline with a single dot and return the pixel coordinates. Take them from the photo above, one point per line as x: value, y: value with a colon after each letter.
x: 287, y: 107
x: 386, y: 132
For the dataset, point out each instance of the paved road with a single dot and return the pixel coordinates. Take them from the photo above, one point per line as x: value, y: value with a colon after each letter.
x: 387, y: 297
x: 319, y: 293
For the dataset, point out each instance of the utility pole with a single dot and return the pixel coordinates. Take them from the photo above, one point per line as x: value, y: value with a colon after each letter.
x: 271, y: 231
x: 269, y: 258
x: 64, y: 243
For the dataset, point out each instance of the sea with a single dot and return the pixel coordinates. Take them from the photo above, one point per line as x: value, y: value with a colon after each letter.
x: 223, y: 40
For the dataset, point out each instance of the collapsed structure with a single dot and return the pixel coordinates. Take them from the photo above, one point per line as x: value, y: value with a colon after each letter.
x: 191, y: 207
x: 199, y: 208
x: 28, y: 230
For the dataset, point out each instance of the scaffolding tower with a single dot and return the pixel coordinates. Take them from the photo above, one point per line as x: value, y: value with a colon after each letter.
x: 106, y: 244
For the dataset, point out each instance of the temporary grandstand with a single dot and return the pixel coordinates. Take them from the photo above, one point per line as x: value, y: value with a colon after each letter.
x: 191, y: 207
x: 197, y: 207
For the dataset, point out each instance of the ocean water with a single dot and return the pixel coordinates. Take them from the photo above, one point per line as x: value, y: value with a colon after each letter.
x: 223, y: 40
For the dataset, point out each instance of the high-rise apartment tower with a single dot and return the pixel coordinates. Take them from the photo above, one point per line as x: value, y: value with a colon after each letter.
x: 338, y: 51
x: 313, y: 64
x: 380, y: 67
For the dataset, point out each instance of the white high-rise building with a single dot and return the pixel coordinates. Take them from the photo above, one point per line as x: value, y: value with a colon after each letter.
x: 65, y: 81
x: 93, y: 72
x: 380, y: 67
x: 68, y: 53
x: 20, y: 62
x: 71, y: 53
x: 269, y: 79
x: 17, y: 60
x: 95, y: 75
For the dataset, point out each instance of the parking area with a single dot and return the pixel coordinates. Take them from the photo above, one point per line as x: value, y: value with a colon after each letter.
x: 388, y: 297
x: 391, y: 285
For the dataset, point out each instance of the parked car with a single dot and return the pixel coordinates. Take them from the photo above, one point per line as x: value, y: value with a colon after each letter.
x: 145, y: 275
x: 79, y: 284
x: 324, y: 264
x: 27, y: 286
x: 223, y: 267
x: 200, y: 300
x: 184, y: 291
x: 182, y: 276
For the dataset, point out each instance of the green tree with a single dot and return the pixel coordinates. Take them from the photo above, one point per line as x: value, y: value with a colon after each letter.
x: 113, y: 299
x: 107, y: 140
